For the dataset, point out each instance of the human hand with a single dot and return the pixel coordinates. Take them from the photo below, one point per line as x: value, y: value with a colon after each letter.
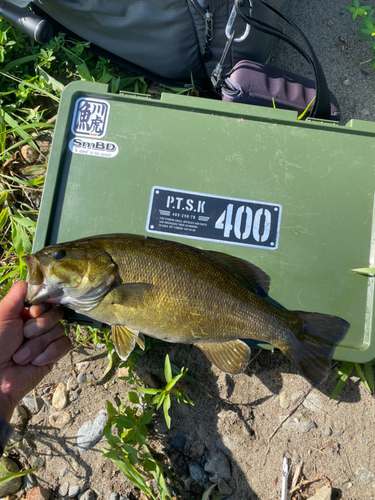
x: 24, y: 364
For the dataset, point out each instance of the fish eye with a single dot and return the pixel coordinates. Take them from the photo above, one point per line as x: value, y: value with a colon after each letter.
x: 60, y: 254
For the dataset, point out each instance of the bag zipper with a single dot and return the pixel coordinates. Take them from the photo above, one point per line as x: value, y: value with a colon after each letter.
x: 208, y: 18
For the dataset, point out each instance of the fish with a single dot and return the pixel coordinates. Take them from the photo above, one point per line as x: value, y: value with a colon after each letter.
x: 177, y: 293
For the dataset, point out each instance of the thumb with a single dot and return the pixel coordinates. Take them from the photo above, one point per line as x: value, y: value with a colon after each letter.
x: 13, y: 304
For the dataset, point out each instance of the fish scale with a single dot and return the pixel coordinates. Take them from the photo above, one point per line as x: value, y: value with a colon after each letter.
x: 178, y: 293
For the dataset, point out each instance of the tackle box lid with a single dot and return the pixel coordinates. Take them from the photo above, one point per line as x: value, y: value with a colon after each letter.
x: 296, y: 198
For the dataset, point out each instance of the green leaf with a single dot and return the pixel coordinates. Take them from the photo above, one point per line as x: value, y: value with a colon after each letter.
x: 148, y: 391
x: 167, y: 369
x: 166, y: 406
x: 343, y: 373
x: 206, y: 494
x: 133, y: 397
x: 169, y: 386
x: 369, y: 370
x: 20, y: 62
x: 3, y: 217
x: 84, y: 72
x: 146, y: 418
x: 130, y: 472
x: 362, y: 377
x: 8, y: 476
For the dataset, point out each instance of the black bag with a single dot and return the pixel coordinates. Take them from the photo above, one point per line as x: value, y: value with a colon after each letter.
x: 175, y: 41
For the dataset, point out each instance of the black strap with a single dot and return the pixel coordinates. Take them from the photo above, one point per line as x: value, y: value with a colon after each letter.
x: 322, y: 107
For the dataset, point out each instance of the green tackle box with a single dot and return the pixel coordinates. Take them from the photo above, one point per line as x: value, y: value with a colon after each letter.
x: 294, y: 197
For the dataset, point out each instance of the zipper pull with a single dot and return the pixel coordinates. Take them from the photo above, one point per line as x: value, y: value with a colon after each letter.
x: 208, y: 23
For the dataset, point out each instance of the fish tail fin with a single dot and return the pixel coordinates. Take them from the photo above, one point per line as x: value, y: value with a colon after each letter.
x: 312, y: 347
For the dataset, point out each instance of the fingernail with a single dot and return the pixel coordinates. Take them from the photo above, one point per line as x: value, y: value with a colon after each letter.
x: 39, y: 360
x: 22, y: 355
x: 31, y: 329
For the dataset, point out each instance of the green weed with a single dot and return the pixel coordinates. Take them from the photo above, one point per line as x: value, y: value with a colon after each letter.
x: 367, y: 25
x: 346, y: 370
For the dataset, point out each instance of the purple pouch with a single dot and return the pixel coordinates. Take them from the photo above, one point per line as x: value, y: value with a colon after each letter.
x: 253, y: 83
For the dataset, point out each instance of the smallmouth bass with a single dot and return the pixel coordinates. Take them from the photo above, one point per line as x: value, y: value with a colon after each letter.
x: 181, y: 294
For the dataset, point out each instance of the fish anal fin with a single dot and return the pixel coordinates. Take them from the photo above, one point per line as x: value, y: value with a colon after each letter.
x: 124, y: 339
x: 141, y: 341
x: 250, y: 275
x: 130, y: 294
x: 231, y: 357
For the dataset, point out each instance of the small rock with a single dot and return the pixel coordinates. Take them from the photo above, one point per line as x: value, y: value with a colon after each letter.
x: 81, y: 367
x: 224, y: 443
x: 123, y: 372
x: 284, y: 400
x: 299, y: 427
x: 113, y: 496
x: 224, y: 489
x: 338, y: 432
x: 30, y: 403
x: 324, y: 493
x: 29, y: 481
x: 90, y: 433
x: 82, y: 377
x: 39, y: 494
x: 12, y: 486
x: 152, y: 380
x: 18, y: 422
x: 364, y: 475
x: 47, y: 399
x: 73, y: 491
x: 348, y: 486
x: 99, y: 346
x: 63, y: 490
x: 330, y: 23
x: 29, y: 153
x: 313, y: 402
x: 327, y: 431
x: 19, y: 419
x: 64, y: 472
x: 60, y: 397
x: 198, y: 474
x: 178, y: 442
x: 346, y: 82
x: 72, y: 384
x: 365, y: 439
x: 86, y: 495
x: 59, y: 419
x: 218, y: 466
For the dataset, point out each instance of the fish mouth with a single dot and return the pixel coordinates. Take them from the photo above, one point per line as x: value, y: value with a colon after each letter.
x: 38, y: 290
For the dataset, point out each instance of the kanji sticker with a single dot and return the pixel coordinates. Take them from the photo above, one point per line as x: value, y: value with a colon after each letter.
x: 90, y: 117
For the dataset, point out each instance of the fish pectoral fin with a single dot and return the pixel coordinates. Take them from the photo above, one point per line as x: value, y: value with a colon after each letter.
x: 232, y: 357
x: 124, y: 339
x: 131, y: 294
x: 141, y: 341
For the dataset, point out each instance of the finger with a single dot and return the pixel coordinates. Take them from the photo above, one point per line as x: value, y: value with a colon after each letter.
x: 39, y: 309
x: 12, y: 305
x: 55, y: 351
x: 43, y: 323
x: 34, y: 347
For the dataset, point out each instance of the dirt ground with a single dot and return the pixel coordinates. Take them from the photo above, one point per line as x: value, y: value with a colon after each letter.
x: 244, y: 417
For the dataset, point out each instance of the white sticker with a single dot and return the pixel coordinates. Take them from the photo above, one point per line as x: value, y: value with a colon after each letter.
x: 92, y: 147
x: 90, y: 117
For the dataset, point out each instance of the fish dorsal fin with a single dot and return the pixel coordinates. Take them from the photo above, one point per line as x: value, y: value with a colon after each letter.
x: 124, y: 339
x: 250, y: 275
x: 232, y: 357
x: 131, y: 294
x: 141, y: 341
